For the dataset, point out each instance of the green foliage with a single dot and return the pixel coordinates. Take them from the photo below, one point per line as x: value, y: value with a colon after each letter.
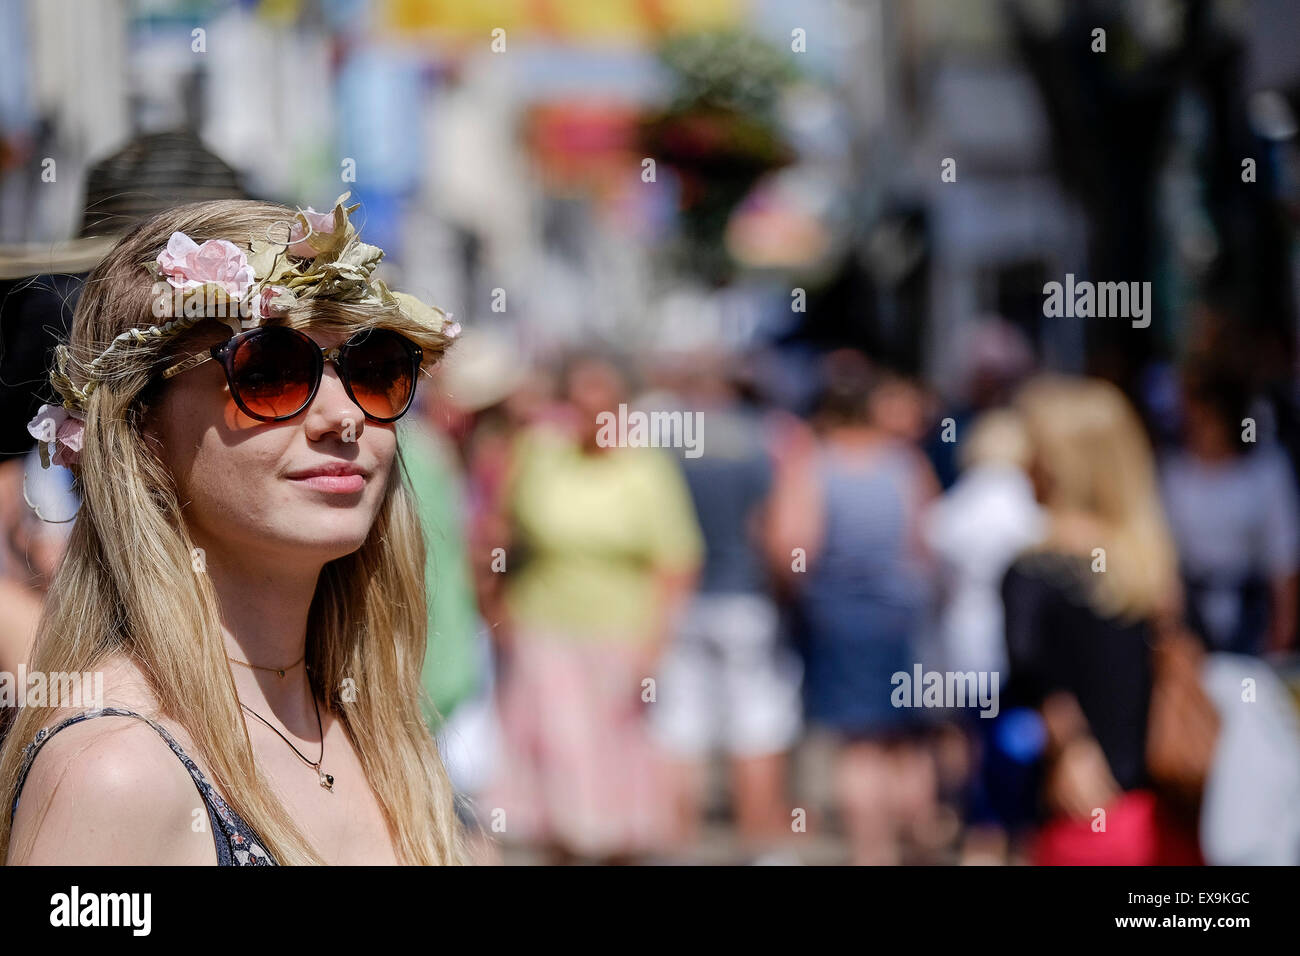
x: 727, y: 70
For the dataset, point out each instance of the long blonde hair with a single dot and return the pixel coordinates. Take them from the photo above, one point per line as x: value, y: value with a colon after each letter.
x: 367, y: 621
x: 1094, y: 459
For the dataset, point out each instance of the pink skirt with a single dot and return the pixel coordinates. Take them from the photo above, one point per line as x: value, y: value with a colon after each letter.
x: 579, y: 767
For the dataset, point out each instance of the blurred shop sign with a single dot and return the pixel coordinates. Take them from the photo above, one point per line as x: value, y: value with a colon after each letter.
x: 594, y: 20
x: 582, y: 142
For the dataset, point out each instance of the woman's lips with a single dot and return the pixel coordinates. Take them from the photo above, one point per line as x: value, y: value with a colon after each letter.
x: 335, y: 484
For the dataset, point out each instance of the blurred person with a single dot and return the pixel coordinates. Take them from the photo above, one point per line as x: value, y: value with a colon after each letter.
x: 976, y: 530
x: 39, y: 286
x: 729, y: 681
x: 844, y: 531
x: 900, y: 407
x: 487, y: 396
x: 35, y: 535
x: 450, y: 674
x: 1251, y: 809
x: 242, y: 558
x: 458, y: 662
x: 604, y: 551
x: 991, y: 357
x: 471, y: 424
x: 1079, y: 610
x: 1233, y: 508
x: 35, y: 505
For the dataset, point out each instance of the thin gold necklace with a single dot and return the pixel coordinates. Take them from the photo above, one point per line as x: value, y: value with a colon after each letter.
x: 278, y: 670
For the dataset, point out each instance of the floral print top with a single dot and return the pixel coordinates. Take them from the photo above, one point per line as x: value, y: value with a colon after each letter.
x: 237, y: 844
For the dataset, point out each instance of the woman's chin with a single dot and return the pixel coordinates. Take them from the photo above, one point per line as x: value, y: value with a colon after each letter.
x: 326, y: 540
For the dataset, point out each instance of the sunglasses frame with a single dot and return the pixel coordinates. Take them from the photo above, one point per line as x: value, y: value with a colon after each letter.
x: 224, y: 352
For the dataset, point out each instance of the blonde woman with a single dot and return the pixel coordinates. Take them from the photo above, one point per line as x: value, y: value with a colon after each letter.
x: 848, y: 498
x: 246, y: 570
x: 1079, y: 609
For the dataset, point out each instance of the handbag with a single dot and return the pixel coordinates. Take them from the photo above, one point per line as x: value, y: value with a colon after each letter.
x: 1182, y: 722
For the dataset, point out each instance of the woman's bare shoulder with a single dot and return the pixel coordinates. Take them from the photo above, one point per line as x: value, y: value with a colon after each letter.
x: 109, y: 790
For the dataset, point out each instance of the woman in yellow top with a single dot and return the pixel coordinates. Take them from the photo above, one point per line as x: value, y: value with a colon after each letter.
x: 605, y: 548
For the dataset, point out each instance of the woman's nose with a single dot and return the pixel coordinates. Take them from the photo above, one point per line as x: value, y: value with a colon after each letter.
x: 332, y: 410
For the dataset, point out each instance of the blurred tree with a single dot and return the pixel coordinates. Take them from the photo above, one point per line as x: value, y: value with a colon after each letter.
x: 719, y: 134
x: 1112, y: 119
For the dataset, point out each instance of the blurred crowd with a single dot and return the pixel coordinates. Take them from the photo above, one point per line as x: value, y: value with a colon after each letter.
x: 647, y: 617
x: 653, y: 615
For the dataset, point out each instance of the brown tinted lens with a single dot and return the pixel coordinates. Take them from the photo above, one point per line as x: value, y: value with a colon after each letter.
x: 274, y: 371
x: 381, y: 372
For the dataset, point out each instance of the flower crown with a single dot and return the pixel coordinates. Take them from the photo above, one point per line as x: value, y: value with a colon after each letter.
x: 321, y: 257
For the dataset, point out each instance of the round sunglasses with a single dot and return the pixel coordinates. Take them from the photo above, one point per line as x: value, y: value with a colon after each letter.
x: 274, y: 371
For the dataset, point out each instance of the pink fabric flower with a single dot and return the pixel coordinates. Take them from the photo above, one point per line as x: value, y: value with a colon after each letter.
x: 322, y: 224
x: 188, y: 265
x: 66, y: 427
x: 452, y: 330
x: 264, y: 303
